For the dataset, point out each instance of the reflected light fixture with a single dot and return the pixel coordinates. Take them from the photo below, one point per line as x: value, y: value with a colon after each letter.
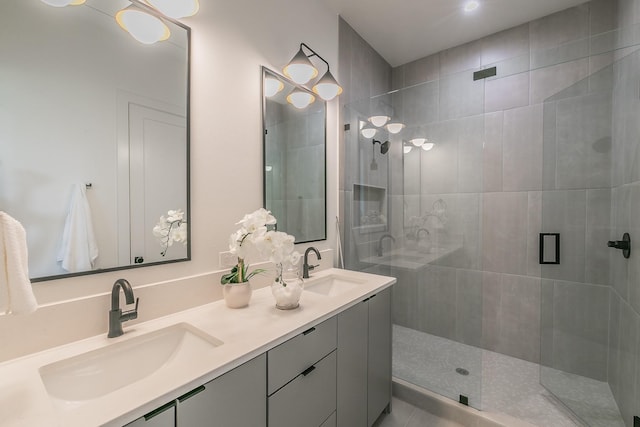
x: 301, y: 70
x: 300, y: 99
x: 406, y: 148
x: 379, y: 121
x: 471, y: 5
x: 175, y: 9
x: 272, y: 86
x: 145, y: 28
x: 368, y: 131
x: 394, y: 126
x: 427, y: 146
x: 63, y: 3
x: 418, y: 141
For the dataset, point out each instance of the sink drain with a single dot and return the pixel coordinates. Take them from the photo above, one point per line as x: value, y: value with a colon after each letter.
x: 462, y: 371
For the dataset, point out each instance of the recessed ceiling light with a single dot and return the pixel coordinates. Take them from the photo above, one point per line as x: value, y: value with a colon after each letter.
x: 471, y: 5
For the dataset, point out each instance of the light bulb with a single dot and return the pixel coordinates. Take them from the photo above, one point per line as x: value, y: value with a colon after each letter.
x: 63, y: 3
x: 143, y: 27
x: 427, y: 146
x: 379, y: 121
x: 394, y: 127
x: 272, y: 86
x: 300, y: 69
x: 407, y: 149
x: 327, y: 87
x: 418, y: 141
x: 300, y: 99
x: 368, y: 131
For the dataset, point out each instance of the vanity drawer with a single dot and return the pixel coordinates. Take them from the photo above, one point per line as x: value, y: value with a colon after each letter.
x: 290, y: 358
x: 308, y: 400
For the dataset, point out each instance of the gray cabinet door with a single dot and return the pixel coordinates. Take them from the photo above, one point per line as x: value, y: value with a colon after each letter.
x: 352, y: 366
x: 164, y: 416
x: 236, y: 399
x: 379, y: 354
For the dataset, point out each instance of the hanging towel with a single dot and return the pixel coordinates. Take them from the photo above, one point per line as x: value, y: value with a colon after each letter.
x: 16, y: 294
x: 79, y: 248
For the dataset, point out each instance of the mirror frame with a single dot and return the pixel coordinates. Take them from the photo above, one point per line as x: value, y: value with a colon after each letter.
x: 263, y: 72
x: 188, y: 167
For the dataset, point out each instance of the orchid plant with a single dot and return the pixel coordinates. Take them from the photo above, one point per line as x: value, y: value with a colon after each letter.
x: 171, y: 228
x: 254, y: 233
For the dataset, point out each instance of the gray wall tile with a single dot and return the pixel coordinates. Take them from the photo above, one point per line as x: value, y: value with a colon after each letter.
x: 469, y: 307
x: 597, y: 234
x: 506, y: 92
x: 522, y: 149
x: 422, y: 70
x: 437, y: 292
x: 560, y: 28
x: 507, y: 44
x: 460, y: 96
x: 492, y: 153
x: 460, y: 58
x: 563, y: 78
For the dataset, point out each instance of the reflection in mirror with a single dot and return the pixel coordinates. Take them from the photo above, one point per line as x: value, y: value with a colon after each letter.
x: 89, y: 112
x: 294, y: 158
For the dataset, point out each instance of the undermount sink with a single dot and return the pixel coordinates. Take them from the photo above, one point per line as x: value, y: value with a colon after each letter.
x: 333, y: 285
x: 96, y: 373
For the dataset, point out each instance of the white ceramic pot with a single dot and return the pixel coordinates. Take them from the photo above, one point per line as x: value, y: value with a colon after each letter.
x: 237, y: 295
x: 287, y: 290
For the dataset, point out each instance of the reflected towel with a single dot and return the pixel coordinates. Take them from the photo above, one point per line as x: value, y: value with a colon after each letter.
x: 79, y: 248
x: 16, y: 293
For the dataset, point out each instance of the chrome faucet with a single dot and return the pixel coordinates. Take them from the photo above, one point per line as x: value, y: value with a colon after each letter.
x: 116, y: 316
x: 305, y: 266
x: 379, y: 248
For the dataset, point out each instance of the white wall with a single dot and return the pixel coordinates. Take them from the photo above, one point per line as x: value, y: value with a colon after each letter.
x: 231, y: 39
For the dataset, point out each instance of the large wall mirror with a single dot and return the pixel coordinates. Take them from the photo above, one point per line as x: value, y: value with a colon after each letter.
x: 294, y: 159
x: 87, y: 109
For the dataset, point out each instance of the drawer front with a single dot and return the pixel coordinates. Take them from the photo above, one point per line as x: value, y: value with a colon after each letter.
x: 308, y: 400
x: 290, y: 358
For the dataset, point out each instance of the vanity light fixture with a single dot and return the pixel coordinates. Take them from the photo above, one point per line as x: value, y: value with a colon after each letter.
x: 300, y: 99
x: 379, y: 121
x: 394, y: 126
x: 406, y: 148
x: 418, y: 141
x: 175, y: 9
x: 145, y: 28
x: 301, y: 70
x: 63, y: 3
x: 272, y: 86
x: 427, y: 146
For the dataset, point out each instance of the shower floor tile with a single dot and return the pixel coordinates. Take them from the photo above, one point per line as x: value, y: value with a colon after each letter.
x: 500, y: 384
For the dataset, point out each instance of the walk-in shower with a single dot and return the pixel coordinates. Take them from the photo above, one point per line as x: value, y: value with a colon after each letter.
x: 544, y: 143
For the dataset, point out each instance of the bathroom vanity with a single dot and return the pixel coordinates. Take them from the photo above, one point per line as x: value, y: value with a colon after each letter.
x: 327, y: 363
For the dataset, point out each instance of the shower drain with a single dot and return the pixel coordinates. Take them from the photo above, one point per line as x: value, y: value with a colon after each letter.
x: 462, y: 371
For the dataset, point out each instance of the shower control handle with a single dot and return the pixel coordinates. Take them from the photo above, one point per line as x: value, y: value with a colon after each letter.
x: 624, y: 245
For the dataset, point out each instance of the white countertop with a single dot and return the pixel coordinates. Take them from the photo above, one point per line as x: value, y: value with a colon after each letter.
x: 245, y: 332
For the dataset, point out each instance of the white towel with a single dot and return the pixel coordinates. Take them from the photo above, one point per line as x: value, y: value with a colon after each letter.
x: 16, y: 294
x: 79, y: 248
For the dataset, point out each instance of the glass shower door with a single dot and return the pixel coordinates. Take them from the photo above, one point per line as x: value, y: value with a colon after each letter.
x: 413, y: 212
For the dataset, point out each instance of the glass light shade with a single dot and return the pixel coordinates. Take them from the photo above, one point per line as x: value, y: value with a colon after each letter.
x: 406, y: 149
x: 175, y: 9
x: 63, y: 3
x: 143, y: 27
x: 327, y: 87
x: 379, y: 121
x: 272, y: 86
x: 394, y: 127
x: 368, y: 131
x: 427, y: 146
x: 300, y: 99
x: 418, y: 141
x: 300, y: 69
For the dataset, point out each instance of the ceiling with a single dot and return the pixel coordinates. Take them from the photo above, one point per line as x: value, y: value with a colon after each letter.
x: 405, y: 30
